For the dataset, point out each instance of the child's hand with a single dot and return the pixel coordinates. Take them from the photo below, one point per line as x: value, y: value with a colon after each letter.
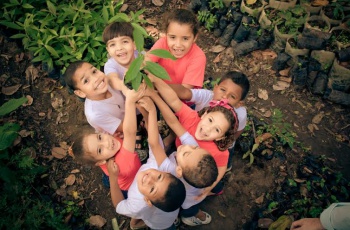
x: 147, y: 104
x: 112, y: 168
x: 133, y: 95
x: 204, y: 193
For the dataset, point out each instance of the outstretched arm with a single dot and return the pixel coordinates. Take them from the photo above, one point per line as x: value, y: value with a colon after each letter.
x: 167, y: 93
x: 167, y: 113
x: 116, y: 193
x: 182, y: 92
x: 130, y: 117
x: 152, y: 128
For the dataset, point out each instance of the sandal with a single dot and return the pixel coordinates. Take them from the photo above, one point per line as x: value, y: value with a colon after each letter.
x: 142, y: 153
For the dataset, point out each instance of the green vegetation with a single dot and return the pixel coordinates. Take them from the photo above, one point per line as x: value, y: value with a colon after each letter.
x: 60, y: 32
x: 208, y: 17
x: 291, y: 20
x: 21, y: 202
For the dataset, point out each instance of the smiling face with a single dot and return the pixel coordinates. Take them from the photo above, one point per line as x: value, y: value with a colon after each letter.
x: 91, y: 83
x: 188, y: 156
x: 180, y: 39
x: 122, y: 50
x: 213, y: 126
x: 153, y: 184
x: 101, y: 147
x: 229, y: 90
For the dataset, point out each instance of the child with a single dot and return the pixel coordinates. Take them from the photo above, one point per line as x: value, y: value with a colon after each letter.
x: 233, y: 86
x: 121, y: 48
x: 104, y: 106
x: 195, y: 165
x: 98, y: 148
x: 211, y: 128
x: 154, y: 196
x: 181, y: 28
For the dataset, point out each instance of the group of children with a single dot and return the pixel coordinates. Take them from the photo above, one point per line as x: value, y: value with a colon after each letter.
x: 165, y: 186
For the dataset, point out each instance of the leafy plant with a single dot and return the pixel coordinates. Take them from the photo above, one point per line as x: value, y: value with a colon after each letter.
x: 60, y: 32
x: 216, y: 4
x: 208, y: 19
x: 291, y: 20
x: 21, y: 206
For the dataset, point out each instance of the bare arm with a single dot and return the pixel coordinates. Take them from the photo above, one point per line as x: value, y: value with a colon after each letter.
x: 152, y: 128
x: 114, y: 81
x: 130, y: 118
x: 168, y: 115
x: 116, y: 193
x: 184, y: 93
x: 207, y: 190
x: 168, y: 94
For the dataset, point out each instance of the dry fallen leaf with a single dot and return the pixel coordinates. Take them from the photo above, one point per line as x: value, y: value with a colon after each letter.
x: 299, y: 180
x: 75, y: 171
x: 58, y: 152
x: 221, y: 214
x: 317, y: 119
x: 262, y: 94
x: 217, y: 58
x: 217, y: 48
x: 269, y: 54
x: 311, y: 128
x: 10, y: 90
x: 158, y: 2
x: 61, y: 192
x: 284, y: 72
x: 151, y: 21
x: 70, y: 179
x: 29, y: 101
x: 260, y: 199
x: 262, y: 137
x: 280, y: 85
x: 250, y: 2
x: 97, y: 221
x: 26, y: 133
x: 267, y: 113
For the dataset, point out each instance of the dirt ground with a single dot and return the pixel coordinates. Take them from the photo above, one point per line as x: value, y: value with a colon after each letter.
x: 56, y: 117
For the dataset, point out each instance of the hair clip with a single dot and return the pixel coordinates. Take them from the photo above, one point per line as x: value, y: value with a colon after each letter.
x: 224, y: 103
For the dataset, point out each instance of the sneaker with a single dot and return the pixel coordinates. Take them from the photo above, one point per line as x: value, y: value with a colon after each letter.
x: 177, y: 222
x: 194, y: 221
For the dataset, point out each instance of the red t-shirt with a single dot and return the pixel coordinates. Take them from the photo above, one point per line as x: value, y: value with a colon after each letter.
x: 190, y: 119
x: 128, y: 164
x: 187, y: 70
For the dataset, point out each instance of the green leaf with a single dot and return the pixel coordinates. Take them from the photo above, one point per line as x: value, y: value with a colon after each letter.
x: 162, y: 53
x: 157, y: 70
x: 51, y: 7
x: 255, y: 146
x: 251, y: 159
x: 119, y: 18
x: 246, y: 154
x: 139, y: 40
x: 105, y: 13
x: 148, y: 81
x: 27, y: 6
x: 52, y: 51
x: 12, y: 25
x: 11, y: 105
x: 139, y: 28
x: 137, y: 81
x: 18, y: 36
x: 8, y: 133
x: 134, y: 69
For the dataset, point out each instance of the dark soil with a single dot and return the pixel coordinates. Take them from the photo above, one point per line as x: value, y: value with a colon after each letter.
x: 56, y: 117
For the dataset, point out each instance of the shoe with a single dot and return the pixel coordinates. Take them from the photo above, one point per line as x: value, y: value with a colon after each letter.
x: 194, y: 221
x: 177, y: 222
x: 139, y: 224
x: 229, y: 168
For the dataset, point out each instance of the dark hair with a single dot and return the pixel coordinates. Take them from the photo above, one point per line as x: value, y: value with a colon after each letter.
x: 174, y: 196
x: 229, y: 138
x: 182, y: 16
x: 79, y: 152
x: 69, y: 75
x: 239, y: 79
x: 117, y: 29
x: 204, y: 174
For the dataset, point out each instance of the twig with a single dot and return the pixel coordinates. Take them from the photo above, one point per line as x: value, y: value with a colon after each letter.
x: 254, y: 133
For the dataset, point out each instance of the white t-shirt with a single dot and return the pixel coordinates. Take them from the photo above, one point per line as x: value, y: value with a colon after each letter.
x: 136, y: 207
x: 112, y: 66
x: 202, y: 97
x: 191, y: 192
x: 106, y: 115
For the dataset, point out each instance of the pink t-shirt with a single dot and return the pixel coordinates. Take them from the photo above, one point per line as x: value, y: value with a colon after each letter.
x: 187, y: 70
x: 128, y: 164
x: 190, y: 119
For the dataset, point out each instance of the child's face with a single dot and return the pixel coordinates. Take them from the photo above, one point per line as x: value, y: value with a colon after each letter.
x: 180, y: 38
x: 90, y: 82
x: 153, y: 184
x: 212, y: 126
x: 188, y: 156
x: 101, y: 146
x: 228, y: 90
x: 122, y: 50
